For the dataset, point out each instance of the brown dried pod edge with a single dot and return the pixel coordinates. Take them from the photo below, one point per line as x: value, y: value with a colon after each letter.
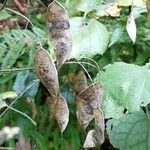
x: 86, y: 101
x: 46, y: 72
x: 59, y: 31
x: 61, y: 113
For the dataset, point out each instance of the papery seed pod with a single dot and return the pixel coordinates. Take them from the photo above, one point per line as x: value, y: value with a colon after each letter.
x: 78, y: 81
x: 46, y: 72
x: 96, y: 137
x: 86, y: 101
x: 59, y: 31
x: 61, y: 113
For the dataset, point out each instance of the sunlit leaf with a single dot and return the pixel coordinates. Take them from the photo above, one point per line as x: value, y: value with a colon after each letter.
x: 131, y: 27
x: 140, y: 3
x: 130, y: 132
x: 87, y: 5
x: 8, y: 94
x: 113, y: 10
x: 89, y: 38
x: 115, y: 36
x: 125, y: 86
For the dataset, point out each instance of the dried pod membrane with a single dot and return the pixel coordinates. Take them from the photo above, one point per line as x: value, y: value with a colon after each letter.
x: 86, y: 101
x: 61, y: 113
x: 46, y: 72
x: 78, y: 81
x: 59, y: 30
x: 96, y: 137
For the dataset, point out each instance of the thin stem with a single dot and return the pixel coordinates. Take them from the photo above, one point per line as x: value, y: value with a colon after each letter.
x: 16, y: 69
x: 35, y: 81
x: 20, y: 15
x: 148, y: 111
x: 80, y: 63
x: 7, y: 148
x: 71, y: 62
x: 98, y: 69
x: 23, y: 114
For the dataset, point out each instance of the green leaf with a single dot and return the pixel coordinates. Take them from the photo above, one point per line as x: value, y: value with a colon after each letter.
x: 131, y: 132
x: 4, y: 15
x: 89, y: 38
x: 125, y: 86
x: 115, y: 36
x: 139, y: 3
x: 87, y: 5
x: 23, y: 80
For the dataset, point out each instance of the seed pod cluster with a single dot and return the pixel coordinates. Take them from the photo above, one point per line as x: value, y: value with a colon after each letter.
x: 88, y: 102
x: 47, y: 73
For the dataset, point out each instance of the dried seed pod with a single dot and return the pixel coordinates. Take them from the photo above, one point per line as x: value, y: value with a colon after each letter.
x: 61, y: 113
x: 59, y: 30
x: 78, y: 81
x: 96, y: 137
x: 86, y: 101
x: 99, y: 125
x: 46, y: 72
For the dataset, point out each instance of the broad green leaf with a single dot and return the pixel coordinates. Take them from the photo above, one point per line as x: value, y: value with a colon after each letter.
x: 23, y: 80
x: 131, y: 132
x: 115, y: 36
x: 87, y: 5
x: 89, y: 38
x: 140, y: 3
x: 125, y: 86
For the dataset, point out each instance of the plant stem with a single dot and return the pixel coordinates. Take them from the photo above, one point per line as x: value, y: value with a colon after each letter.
x: 148, y: 110
x: 16, y: 69
x: 35, y: 81
x: 23, y: 114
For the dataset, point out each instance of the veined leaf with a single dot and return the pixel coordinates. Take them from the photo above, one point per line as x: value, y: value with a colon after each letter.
x: 125, y: 86
x: 131, y: 132
x: 87, y: 5
x: 89, y: 38
x: 23, y: 80
x: 115, y: 36
x: 140, y: 3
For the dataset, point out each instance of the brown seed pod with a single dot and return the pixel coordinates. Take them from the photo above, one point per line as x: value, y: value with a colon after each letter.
x: 86, y: 101
x: 78, y: 81
x: 46, y: 72
x: 96, y: 137
x: 61, y: 113
x: 59, y: 31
